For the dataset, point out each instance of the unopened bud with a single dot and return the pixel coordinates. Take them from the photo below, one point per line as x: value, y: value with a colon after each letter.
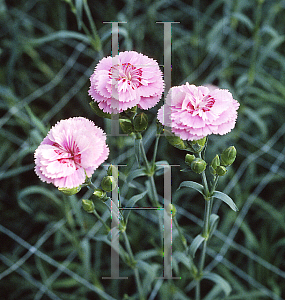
x: 198, y: 165
x: 100, y: 195
x: 221, y: 170
x: 228, y: 156
x: 170, y: 209
x: 126, y: 126
x: 110, y: 170
x: 189, y: 158
x: 108, y: 183
x: 70, y: 191
x: 215, y: 162
x: 140, y: 122
x: 88, y: 205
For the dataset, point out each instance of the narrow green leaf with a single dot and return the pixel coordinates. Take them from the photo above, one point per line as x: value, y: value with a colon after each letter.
x: 198, y: 240
x: 194, y: 185
x: 24, y: 203
x: 160, y: 166
x: 135, y: 199
x: 112, y: 207
x: 98, y: 111
x: 225, y: 286
x: 135, y: 174
x: 151, y: 271
x: 62, y: 34
x: 36, y: 121
x: 243, y: 19
x: 79, y: 8
x: 137, y: 148
x: 183, y: 258
x: 132, y: 202
x: 225, y: 198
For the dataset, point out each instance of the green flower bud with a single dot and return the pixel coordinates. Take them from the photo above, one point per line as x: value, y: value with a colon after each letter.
x: 170, y: 209
x: 110, y: 170
x: 71, y: 191
x: 126, y: 126
x: 221, y: 170
x: 108, y: 183
x: 88, y: 205
x: 215, y: 162
x: 100, y: 195
x: 189, y: 158
x: 198, y: 165
x: 140, y: 122
x: 228, y: 156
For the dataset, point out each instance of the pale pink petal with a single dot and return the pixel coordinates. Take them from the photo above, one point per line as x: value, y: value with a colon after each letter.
x: 127, y: 80
x: 195, y: 112
x: 73, y: 148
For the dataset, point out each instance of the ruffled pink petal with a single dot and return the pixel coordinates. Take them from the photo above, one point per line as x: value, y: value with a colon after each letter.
x: 126, y: 80
x: 195, y: 112
x: 71, y: 147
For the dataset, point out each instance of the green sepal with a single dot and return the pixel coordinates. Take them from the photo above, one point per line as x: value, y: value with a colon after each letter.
x: 140, y: 122
x: 71, y: 191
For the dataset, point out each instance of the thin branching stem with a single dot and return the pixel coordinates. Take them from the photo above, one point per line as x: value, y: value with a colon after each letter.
x: 136, y: 271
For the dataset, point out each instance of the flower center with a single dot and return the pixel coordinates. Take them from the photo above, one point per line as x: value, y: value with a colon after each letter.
x: 68, y: 155
x: 204, y: 104
x: 126, y: 73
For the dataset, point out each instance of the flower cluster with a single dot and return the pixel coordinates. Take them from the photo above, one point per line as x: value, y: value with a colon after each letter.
x: 195, y: 112
x: 70, y: 152
x: 126, y: 80
x: 74, y: 148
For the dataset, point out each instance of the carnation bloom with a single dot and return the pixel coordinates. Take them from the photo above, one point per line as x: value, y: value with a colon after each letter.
x: 72, y: 150
x: 194, y: 112
x: 126, y: 80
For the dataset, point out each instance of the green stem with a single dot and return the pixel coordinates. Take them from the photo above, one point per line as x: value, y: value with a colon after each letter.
x: 146, y: 163
x: 197, y: 291
x: 184, y: 242
x: 136, y: 271
x: 154, y: 194
x: 155, y: 150
x: 204, y: 180
x: 216, y: 178
x: 101, y: 220
x: 205, y: 234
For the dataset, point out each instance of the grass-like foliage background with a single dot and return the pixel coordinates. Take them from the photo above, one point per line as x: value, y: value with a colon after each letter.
x: 50, y: 247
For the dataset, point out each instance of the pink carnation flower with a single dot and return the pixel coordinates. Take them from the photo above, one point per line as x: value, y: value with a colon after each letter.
x: 126, y: 80
x: 194, y: 112
x: 72, y: 150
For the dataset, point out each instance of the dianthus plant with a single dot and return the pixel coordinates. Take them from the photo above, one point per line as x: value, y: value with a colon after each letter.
x: 126, y: 86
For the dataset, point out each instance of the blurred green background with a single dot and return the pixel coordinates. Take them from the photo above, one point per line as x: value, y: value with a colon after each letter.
x: 48, y: 50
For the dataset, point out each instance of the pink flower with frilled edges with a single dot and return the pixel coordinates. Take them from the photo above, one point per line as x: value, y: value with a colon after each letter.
x: 194, y: 112
x: 72, y: 150
x: 126, y: 80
